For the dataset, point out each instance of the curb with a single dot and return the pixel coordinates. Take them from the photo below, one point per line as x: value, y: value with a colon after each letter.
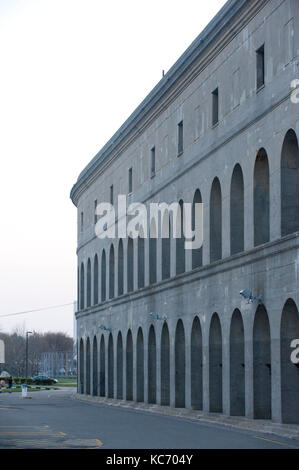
x: 290, y: 431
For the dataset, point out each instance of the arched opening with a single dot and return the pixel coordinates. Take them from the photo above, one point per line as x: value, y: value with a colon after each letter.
x: 196, y: 253
x: 88, y: 296
x: 237, y: 211
x: 290, y: 184
x: 237, y: 365
x: 110, y: 367
x: 140, y: 262
x: 111, y: 272
x: 119, y: 366
x: 103, y: 276
x: 88, y: 366
x: 196, y: 366
x: 153, y: 253
x: 129, y: 364
x: 130, y: 265
x: 102, y: 368
x: 152, y: 372
x: 215, y: 222
x: 215, y: 366
x: 166, y: 233
x: 261, y: 199
x: 180, y: 242
x: 95, y: 367
x: 289, y: 371
x: 165, y: 366
x: 140, y: 366
x: 81, y: 367
x: 120, y: 268
x: 82, y: 301
x: 262, y: 365
x: 180, y: 365
x: 95, y: 280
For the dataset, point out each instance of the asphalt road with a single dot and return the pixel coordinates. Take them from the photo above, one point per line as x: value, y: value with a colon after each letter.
x: 54, y: 420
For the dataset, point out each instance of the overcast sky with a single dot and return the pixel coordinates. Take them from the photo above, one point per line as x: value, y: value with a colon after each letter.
x: 71, y: 72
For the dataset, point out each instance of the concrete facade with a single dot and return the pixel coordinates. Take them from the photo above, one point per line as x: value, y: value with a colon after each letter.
x: 215, y: 352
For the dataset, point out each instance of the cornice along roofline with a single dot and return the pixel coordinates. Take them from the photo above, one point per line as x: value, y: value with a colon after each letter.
x: 198, y: 46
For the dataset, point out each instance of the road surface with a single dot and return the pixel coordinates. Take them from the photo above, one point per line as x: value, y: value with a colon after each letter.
x: 54, y: 420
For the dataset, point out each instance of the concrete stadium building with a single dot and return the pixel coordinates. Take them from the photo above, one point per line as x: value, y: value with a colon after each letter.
x: 158, y: 323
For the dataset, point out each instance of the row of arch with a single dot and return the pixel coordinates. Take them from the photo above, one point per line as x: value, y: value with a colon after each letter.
x: 262, y: 365
x: 289, y: 224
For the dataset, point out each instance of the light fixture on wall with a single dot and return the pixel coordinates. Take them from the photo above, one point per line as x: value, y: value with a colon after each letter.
x: 102, y: 327
x: 247, y: 294
x: 155, y: 316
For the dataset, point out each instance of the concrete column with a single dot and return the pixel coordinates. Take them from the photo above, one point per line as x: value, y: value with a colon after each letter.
x: 275, y: 364
x: 187, y: 366
x: 225, y: 327
x: 158, y: 364
x: 115, y: 366
x: 145, y: 339
x: 248, y: 207
x: 225, y: 195
x: 172, y: 364
x: 135, y: 266
x: 115, y: 270
x: 134, y: 366
x: 206, y: 233
x: 275, y: 188
x: 205, y: 368
x: 106, y: 365
x: 125, y: 246
x: 159, y: 259
x: 248, y: 318
x: 84, y: 355
x: 146, y: 262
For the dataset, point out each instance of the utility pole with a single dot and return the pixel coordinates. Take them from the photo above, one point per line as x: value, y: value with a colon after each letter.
x: 26, y: 355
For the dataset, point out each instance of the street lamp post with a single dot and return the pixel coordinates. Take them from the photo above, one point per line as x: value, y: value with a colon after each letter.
x: 26, y: 355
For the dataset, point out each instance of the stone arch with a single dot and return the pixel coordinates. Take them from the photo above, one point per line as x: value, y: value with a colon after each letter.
x: 215, y: 365
x: 165, y: 366
x: 81, y: 366
x: 237, y: 211
x: 82, y: 281
x: 261, y: 199
x: 153, y: 253
x: 196, y: 253
x: 120, y: 268
x: 215, y: 221
x: 119, y: 366
x: 95, y: 367
x: 289, y: 331
x: 102, y: 367
x: 140, y: 366
x: 110, y: 367
x: 88, y: 366
x: 130, y: 265
x: 237, y: 365
x: 166, y: 234
x: 290, y: 184
x: 96, y: 280
x: 180, y: 365
x: 103, y: 276
x: 152, y: 368
x: 129, y: 368
x: 111, y: 272
x: 88, y: 291
x: 180, y: 242
x: 196, y: 366
x: 262, y: 364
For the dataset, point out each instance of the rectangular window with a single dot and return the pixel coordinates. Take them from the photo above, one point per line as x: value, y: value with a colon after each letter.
x: 130, y: 180
x: 180, y: 138
x: 153, y: 162
x: 260, y: 67
x: 95, y: 213
x: 215, y: 107
x: 111, y: 195
x: 81, y: 222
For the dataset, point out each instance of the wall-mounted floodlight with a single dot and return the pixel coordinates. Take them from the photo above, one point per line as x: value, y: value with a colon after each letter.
x: 155, y: 316
x: 247, y: 294
x: 102, y: 327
